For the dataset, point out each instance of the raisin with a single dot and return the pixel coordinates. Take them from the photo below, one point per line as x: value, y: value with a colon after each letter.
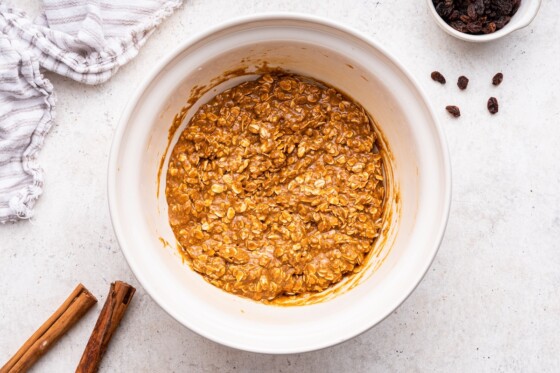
x: 492, y: 105
x: 459, y: 26
x: 465, y: 19
x: 436, y: 76
x: 471, y: 12
x: 497, y: 79
x: 501, y: 22
x: 489, y: 28
x: 462, y: 82
x: 503, y: 7
x: 444, y: 10
x: 453, y: 110
x: 479, y: 5
x: 474, y: 27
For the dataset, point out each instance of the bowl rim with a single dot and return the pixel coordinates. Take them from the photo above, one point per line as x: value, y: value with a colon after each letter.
x: 156, y: 70
x: 517, y: 24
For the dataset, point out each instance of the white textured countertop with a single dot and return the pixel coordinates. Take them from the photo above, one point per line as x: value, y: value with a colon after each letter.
x: 491, y: 300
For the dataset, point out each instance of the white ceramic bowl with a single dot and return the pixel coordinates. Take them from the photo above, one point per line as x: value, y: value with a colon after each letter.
x: 522, y: 18
x: 313, y: 47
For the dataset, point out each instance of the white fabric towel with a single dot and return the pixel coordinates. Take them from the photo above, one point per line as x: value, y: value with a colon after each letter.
x: 85, y: 40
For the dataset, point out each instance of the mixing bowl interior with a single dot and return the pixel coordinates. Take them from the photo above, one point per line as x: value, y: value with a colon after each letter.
x: 330, y: 54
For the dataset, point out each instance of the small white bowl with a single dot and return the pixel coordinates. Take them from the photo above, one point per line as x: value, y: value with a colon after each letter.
x: 338, y: 56
x: 525, y: 14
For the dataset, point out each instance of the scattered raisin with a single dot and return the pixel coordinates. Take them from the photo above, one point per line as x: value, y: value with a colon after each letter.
x: 497, y: 79
x: 436, y: 76
x: 476, y: 16
x: 492, y: 105
x: 453, y: 110
x: 463, y: 82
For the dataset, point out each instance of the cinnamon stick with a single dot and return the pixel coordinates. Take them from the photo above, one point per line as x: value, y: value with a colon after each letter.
x: 73, y: 308
x: 120, y: 295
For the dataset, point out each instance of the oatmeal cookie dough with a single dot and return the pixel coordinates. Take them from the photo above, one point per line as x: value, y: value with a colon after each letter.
x: 276, y: 187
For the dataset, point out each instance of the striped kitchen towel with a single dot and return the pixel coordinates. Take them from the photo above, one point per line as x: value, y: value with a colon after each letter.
x: 85, y: 40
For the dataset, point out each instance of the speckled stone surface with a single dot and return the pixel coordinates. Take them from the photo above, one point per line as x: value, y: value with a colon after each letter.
x: 491, y: 300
